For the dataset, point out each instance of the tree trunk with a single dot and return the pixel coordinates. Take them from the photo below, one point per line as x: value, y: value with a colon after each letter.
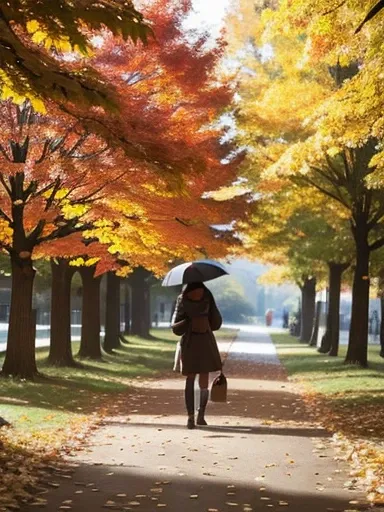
x: 381, y: 296
x: 112, y: 316
x: 127, y: 309
x: 141, y: 321
x: 90, y: 318
x: 308, y: 303
x: 382, y: 326
x: 315, y: 331
x: 60, y: 351
x: 358, y: 335
x: 330, y: 341
x: 20, y: 358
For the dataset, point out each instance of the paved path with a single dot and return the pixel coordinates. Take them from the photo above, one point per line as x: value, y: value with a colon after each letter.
x: 258, y: 453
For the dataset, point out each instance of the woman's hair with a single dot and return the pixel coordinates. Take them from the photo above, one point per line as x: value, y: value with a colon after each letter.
x: 193, y: 286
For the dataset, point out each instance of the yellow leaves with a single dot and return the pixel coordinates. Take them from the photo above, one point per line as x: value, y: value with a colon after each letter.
x: 84, y: 262
x: 9, y: 92
x: 72, y: 211
x: 275, y: 275
x: 6, y: 232
x: 32, y: 26
x: 39, y: 36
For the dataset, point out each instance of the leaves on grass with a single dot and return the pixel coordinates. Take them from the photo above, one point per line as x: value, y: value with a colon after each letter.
x: 356, y: 429
x: 29, y: 461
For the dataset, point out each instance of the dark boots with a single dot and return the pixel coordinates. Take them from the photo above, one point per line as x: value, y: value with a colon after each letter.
x: 190, y: 402
x: 203, y: 404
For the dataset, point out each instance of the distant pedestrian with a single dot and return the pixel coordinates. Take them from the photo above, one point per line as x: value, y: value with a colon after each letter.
x: 196, y: 316
x: 268, y: 317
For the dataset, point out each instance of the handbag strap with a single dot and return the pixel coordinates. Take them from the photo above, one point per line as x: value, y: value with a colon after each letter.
x: 224, y: 360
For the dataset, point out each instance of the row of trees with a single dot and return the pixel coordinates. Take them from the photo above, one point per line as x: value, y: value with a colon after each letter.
x: 114, y: 185
x: 310, y: 112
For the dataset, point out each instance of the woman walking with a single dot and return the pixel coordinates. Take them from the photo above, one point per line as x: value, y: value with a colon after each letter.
x: 196, y: 316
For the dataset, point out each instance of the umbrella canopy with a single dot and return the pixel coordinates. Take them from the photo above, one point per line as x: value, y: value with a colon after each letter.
x: 194, y: 272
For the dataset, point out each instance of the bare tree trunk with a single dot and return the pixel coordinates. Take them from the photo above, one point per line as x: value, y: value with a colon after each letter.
x: 330, y: 341
x: 20, y: 358
x: 357, y: 352
x: 127, y: 309
x: 315, y: 331
x: 308, y: 294
x: 90, y: 319
x: 141, y: 321
x: 60, y: 351
x: 112, y: 316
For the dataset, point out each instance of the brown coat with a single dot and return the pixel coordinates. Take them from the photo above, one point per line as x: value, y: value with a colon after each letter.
x: 195, y: 321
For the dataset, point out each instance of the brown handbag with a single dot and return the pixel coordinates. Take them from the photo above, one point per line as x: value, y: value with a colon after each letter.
x: 219, y: 389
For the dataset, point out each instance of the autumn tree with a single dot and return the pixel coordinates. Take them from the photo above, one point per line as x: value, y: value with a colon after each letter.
x: 335, y: 147
x: 37, y: 38
x: 40, y: 201
x: 57, y: 174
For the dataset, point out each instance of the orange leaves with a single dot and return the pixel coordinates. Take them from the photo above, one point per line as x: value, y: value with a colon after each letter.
x: 157, y: 154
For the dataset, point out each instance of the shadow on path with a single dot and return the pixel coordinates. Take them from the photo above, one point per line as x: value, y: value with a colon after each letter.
x: 118, y: 487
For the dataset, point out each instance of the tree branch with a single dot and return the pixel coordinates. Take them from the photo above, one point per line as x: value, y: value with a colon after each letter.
x: 375, y: 10
x: 375, y: 219
x: 69, y: 229
x: 69, y: 152
x: 334, y: 8
x: 325, y: 191
x: 34, y: 235
x: 51, y: 198
x: 86, y: 198
x: 376, y: 245
x: 44, y: 151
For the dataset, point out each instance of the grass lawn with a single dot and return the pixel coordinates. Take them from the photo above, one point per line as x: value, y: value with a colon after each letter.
x: 354, y: 396
x: 65, y: 396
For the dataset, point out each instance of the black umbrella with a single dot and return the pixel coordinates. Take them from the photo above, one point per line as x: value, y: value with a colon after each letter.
x: 194, y: 272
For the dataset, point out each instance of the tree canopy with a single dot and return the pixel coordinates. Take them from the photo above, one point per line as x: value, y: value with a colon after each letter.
x: 45, y: 48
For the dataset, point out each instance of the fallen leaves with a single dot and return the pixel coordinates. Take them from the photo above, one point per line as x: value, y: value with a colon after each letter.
x: 358, y: 429
x: 30, y: 461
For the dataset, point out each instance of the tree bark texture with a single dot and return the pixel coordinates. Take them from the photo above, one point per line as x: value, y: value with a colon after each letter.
x: 112, y: 316
x: 330, y: 341
x: 60, y: 350
x: 90, y: 318
x: 382, y: 326
x: 127, y: 309
x: 140, y: 287
x: 315, y: 330
x: 357, y: 352
x: 20, y: 358
x: 308, y: 303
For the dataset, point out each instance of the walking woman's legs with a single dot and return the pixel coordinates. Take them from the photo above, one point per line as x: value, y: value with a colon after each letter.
x: 203, y: 383
x: 190, y: 399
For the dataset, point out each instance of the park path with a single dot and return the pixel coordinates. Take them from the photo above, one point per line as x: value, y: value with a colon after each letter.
x: 259, y: 452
